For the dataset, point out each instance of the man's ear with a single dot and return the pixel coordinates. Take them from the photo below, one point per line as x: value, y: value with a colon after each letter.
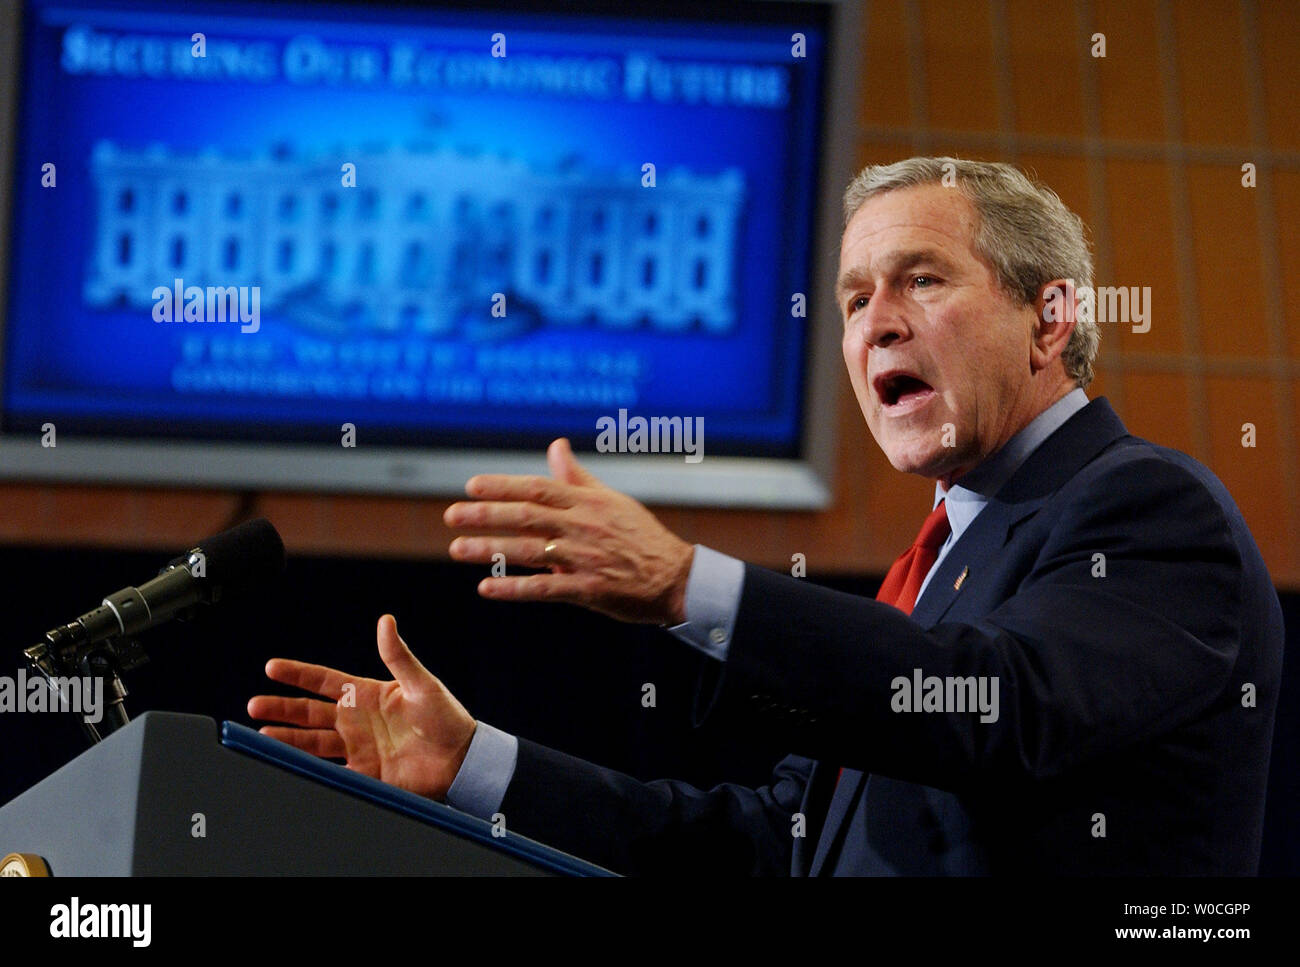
x: 1056, y: 310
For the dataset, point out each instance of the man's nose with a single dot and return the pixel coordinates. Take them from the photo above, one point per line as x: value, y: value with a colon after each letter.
x: 884, y: 320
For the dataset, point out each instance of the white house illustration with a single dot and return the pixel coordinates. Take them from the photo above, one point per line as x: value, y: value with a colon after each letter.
x: 422, y: 242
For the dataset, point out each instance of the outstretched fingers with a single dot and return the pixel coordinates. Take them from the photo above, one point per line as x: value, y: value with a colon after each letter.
x: 324, y: 681
x: 522, y: 551
x: 311, y: 713
x: 562, y: 587
x: 526, y: 488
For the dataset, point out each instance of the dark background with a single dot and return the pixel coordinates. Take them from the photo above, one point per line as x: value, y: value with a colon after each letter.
x: 554, y: 673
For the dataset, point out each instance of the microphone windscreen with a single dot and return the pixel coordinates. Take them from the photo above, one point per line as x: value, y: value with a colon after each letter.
x: 243, y: 557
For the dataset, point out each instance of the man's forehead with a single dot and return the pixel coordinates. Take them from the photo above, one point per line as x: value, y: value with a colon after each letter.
x: 927, y: 215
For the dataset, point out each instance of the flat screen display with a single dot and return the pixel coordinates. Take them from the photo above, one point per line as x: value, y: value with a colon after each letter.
x: 444, y: 226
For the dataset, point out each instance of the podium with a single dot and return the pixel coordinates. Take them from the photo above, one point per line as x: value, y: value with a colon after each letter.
x: 170, y: 794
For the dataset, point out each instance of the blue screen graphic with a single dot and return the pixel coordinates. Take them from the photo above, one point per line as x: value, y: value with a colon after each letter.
x: 450, y: 227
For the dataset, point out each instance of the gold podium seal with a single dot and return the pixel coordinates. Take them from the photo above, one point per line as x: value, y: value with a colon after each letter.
x: 23, y: 864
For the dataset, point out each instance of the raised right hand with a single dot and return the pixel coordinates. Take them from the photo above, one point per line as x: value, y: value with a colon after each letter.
x: 410, y: 732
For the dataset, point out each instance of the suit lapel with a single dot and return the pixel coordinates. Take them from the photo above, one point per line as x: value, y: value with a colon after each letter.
x: 841, y: 802
x: 978, y: 546
x: 1055, y: 461
x: 815, y: 807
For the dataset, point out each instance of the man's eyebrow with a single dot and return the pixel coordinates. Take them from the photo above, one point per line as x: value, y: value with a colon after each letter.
x: 890, y: 265
x: 851, y: 279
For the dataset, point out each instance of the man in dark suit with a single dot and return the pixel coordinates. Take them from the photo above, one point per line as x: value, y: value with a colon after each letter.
x: 1073, y: 670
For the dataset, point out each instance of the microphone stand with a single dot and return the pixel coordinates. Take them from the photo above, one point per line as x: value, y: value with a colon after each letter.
x: 102, y: 663
x: 61, y: 657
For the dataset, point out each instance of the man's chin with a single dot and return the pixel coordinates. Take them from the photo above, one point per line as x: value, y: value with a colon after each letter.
x: 924, y: 463
x: 910, y: 463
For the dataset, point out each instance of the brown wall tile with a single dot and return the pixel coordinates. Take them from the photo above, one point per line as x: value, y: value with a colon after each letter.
x: 1253, y: 475
x: 886, y: 96
x: 1158, y: 408
x: 1286, y: 199
x: 1229, y: 278
x: 960, y: 89
x: 1142, y: 243
x: 1045, y: 66
x: 1211, y: 71
x: 1129, y: 76
x: 1278, y: 29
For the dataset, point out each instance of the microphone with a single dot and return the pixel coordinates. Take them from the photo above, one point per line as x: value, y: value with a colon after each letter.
x: 99, y: 643
x: 229, y: 563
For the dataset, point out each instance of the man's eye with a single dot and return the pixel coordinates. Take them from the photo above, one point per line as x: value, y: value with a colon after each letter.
x: 860, y: 302
x: 924, y: 281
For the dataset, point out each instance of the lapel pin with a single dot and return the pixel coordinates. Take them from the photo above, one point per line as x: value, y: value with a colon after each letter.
x: 961, y: 579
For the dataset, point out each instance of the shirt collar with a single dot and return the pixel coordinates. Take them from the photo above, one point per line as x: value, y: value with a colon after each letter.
x: 967, y: 498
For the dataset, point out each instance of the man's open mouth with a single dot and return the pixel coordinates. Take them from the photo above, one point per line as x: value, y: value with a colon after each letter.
x: 901, y: 389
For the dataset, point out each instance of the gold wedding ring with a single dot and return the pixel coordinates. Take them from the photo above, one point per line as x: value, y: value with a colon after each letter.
x: 547, y: 552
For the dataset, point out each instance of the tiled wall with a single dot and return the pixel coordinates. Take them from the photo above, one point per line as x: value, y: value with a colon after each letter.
x: 1147, y: 143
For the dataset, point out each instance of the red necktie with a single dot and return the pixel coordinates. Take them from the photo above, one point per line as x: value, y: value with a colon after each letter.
x: 903, y: 582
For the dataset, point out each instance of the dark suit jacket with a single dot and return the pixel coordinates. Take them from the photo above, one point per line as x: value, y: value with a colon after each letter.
x: 1135, y: 707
